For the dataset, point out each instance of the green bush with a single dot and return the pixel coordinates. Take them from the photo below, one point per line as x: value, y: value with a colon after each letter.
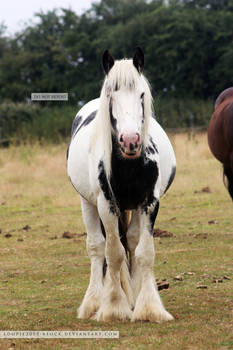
x: 183, y: 113
x: 21, y: 122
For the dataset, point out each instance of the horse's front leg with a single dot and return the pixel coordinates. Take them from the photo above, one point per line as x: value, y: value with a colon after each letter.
x: 148, y: 303
x: 95, y: 248
x: 114, y: 303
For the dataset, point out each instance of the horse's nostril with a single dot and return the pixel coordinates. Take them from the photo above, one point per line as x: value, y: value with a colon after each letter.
x: 121, y: 138
x: 131, y: 147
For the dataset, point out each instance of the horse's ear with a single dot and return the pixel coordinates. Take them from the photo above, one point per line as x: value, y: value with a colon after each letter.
x: 107, y: 61
x: 138, y: 59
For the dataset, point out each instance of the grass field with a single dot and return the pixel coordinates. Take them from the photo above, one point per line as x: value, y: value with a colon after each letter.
x: 43, y: 276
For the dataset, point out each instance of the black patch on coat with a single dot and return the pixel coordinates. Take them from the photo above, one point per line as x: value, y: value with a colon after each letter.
x: 153, y: 145
x: 122, y: 228
x: 133, y: 180
x: 76, y: 122
x: 104, y: 234
x: 67, y: 152
x: 112, y: 119
x: 150, y: 150
x: 143, y: 108
x: 153, y: 216
x: 102, y: 228
x: 171, y: 178
x: 86, y: 121
x: 104, y: 185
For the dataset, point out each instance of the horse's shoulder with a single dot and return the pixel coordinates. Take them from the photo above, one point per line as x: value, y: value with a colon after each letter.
x: 157, y: 133
x: 88, y: 108
x: 85, y: 115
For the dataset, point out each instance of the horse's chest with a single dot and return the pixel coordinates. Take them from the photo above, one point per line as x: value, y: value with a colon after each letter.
x: 133, y: 182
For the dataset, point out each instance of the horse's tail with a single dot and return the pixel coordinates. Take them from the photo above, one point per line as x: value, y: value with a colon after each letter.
x: 228, y: 176
x: 123, y: 223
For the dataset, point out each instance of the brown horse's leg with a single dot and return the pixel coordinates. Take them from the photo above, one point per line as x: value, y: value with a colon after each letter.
x: 228, y: 172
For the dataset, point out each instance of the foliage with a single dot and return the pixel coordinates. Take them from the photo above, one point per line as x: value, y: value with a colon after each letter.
x: 183, y: 113
x: 188, y: 46
x: 22, y: 123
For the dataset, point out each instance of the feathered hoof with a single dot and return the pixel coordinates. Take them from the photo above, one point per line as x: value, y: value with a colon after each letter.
x: 150, y: 311
x: 152, y: 316
x: 88, y: 308
x: 111, y: 312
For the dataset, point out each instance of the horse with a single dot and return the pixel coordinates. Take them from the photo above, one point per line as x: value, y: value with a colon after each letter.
x: 121, y: 162
x: 220, y: 135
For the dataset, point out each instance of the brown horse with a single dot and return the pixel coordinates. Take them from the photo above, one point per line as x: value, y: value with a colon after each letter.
x: 220, y: 135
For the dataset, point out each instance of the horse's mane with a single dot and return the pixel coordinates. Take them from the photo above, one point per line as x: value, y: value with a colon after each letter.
x: 123, y: 75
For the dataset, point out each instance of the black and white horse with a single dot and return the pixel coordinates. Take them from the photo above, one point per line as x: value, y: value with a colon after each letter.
x: 121, y: 162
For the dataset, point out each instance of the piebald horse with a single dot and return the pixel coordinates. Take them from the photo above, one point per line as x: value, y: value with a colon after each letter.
x: 121, y: 162
x: 220, y: 135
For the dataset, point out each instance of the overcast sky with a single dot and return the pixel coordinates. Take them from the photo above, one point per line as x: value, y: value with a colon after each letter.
x: 14, y: 13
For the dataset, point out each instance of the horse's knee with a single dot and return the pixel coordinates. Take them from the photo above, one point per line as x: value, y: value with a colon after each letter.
x: 132, y: 240
x: 96, y: 247
x: 145, y: 255
x: 115, y: 253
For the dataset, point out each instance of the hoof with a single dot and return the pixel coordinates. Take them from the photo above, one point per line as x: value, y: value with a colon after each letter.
x: 150, y: 308
x: 89, y: 306
x: 148, y: 314
x: 118, y: 309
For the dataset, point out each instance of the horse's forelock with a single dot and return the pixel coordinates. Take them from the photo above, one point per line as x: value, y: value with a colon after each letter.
x: 122, y: 75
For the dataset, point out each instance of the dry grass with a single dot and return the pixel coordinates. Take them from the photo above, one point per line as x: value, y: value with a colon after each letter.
x: 43, y: 276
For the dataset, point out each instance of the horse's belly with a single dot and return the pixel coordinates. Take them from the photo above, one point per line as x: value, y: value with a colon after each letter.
x: 167, y: 160
x: 78, y: 167
x: 216, y: 138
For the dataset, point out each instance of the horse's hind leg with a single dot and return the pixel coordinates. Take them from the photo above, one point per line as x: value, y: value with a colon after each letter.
x: 132, y: 240
x: 95, y: 248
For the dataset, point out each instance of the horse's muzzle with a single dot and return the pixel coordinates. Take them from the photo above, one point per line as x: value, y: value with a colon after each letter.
x: 130, y: 145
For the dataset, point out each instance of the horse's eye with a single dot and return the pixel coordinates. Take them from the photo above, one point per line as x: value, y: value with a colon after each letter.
x: 142, y: 96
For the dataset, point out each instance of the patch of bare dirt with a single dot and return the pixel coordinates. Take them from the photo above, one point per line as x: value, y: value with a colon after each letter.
x: 70, y: 235
x: 204, y: 190
x: 162, y: 233
x: 164, y: 284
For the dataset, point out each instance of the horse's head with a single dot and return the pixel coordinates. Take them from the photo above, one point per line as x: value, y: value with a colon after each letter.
x: 128, y: 96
